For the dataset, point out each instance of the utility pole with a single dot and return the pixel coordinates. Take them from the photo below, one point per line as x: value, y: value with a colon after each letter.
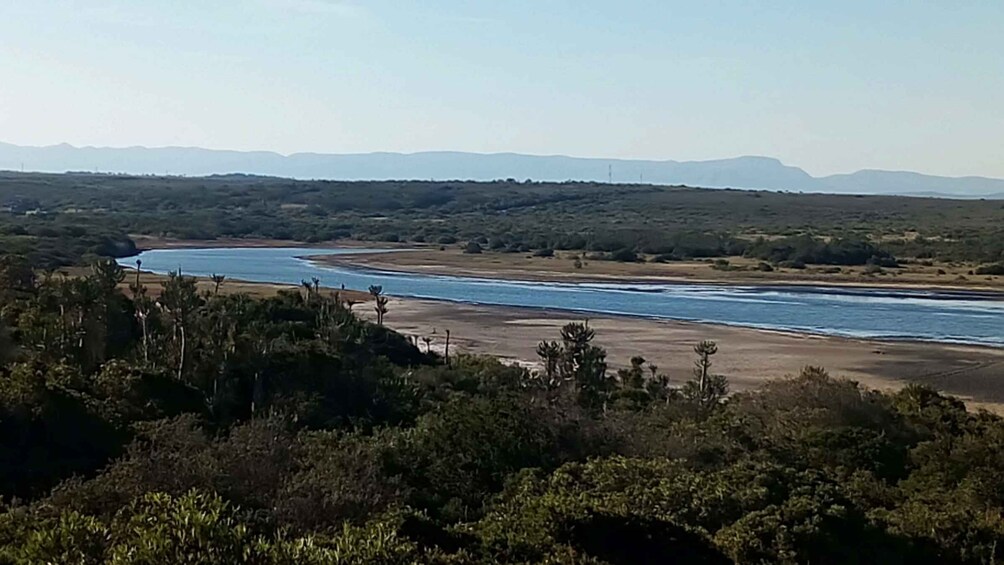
x: 610, y: 174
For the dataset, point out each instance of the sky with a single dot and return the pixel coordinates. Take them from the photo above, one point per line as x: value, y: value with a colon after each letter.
x: 828, y: 86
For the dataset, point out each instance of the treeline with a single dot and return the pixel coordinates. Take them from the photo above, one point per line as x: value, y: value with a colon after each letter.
x: 62, y: 240
x: 802, y: 250
x: 671, y: 222
x: 797, y: 251
x: 166, y: 425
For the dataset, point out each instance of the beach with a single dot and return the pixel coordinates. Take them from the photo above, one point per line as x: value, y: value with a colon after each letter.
x: 748, y: 357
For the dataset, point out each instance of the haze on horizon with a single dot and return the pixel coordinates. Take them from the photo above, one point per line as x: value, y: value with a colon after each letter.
x: 830, y: 87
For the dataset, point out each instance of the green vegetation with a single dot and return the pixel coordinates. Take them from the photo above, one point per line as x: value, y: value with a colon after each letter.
x: 164, y: 425
x: 993, y: 269
x: 60, y: 217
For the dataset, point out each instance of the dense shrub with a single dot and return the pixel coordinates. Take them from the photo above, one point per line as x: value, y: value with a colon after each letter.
x: 624, y: 256
x: 810, y: 250
x: 993, y: 269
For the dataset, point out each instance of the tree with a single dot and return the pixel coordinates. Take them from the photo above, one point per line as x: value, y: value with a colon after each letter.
x: 143, y: 306
x: 180, y: 299
x: 110, y: 326
x: 217, y: 283
x: 634, y: 377
x: 446, y: 348
x: 704, y: 350
x: 7, y: 346
x: 16, y: 276
x: 585, y: 365
x: 550, y: 353
x: 380, y: 302
x: 705, y: 389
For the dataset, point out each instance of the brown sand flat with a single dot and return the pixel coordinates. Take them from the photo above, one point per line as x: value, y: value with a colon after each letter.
x: 747, y: 357
x: 522, y: 266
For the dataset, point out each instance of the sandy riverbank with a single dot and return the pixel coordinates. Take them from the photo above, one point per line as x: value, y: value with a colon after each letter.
x: 431, y: 259
x: 747, y: 357
x: 520, y: 266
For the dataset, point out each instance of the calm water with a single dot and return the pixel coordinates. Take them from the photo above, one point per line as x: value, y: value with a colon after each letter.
x: 951, y: 317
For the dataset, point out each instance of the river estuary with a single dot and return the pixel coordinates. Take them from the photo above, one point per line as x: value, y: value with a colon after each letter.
x: 953, y: 317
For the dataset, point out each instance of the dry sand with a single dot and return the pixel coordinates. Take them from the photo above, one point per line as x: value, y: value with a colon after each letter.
x: 522, y: 266
x: 747, y: 357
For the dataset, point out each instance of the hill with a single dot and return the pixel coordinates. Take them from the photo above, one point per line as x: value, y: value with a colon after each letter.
x: 762, y: 173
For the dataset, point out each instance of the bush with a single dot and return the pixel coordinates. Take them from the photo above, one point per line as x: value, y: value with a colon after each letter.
x: 665, y: 258
x: 625, y: 256
x: 992, y: 269
x: 807, y: 249
x: 722, y: 265
x: 473, y: 248
x: 545, y: 252
x: 884, y: 261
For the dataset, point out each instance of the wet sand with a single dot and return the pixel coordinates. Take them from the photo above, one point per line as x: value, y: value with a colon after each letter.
x: 560, y: 268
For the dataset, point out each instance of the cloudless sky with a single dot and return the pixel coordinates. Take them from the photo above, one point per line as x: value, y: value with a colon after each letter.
x: 828, y: 86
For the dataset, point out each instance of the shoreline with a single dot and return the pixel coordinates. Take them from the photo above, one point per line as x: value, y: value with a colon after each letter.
x: 749, y: 356
x: 804, y: 334
x: 348, y: 261
x: 692, y: 272
x: 390, y: 262
x: 378, y: 262
x: 257, y: 287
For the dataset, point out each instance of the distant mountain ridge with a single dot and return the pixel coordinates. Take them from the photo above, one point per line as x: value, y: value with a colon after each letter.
x: 763, y: 173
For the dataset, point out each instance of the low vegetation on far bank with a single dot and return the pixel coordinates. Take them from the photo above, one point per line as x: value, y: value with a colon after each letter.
x: 58, y: 218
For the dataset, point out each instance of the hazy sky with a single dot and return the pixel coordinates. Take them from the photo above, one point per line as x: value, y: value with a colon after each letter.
x: 829, y: 86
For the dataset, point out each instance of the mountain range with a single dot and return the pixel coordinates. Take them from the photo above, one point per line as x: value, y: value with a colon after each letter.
x: 763, y: 173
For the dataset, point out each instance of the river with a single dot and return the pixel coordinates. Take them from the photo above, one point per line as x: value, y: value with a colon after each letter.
x: 953, y: 317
